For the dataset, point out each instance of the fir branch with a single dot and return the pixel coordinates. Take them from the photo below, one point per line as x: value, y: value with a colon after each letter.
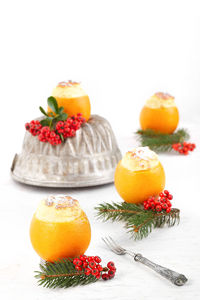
x: 139, y: 222
x: 62, y: 274
x: 161, y: 142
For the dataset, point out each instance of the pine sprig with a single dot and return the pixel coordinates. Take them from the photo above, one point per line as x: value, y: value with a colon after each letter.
x: 139, y: 222
x: 161, y: 142
x: 62, y: 274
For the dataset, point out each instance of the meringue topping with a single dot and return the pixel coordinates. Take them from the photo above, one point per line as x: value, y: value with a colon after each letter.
x: 68, y: 89
x: 159, y: 100
x: 59, y: 208
x: 141, y: 158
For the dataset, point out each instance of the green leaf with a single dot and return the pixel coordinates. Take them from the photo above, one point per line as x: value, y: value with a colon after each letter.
x: 62, y: 138
x: 61, y: 109
x: 45, y: 122
x: 52, y: 103
x: 43, y: 111
x: 62, y: 117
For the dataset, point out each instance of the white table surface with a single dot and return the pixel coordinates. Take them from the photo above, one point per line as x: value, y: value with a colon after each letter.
x: 177, y: 248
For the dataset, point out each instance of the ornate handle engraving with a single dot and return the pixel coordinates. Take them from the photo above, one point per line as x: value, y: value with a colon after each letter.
x: 174, y: 277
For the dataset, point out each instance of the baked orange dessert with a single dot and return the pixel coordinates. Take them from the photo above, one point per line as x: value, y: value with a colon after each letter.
x: 59, y: 229
x: 160, y: 114
x: 139, y: 175
x: 73, y: 98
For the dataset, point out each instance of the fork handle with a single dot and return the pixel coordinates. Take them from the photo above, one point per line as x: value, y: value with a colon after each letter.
x: 174, y: 277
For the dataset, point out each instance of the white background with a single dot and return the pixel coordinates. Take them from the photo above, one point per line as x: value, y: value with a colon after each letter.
x: 123, y: 52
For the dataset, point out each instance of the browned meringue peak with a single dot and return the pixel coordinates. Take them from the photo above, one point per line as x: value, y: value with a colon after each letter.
x: 59, y: 208
x: 68, y: 89
x: 141, y: 158
x: 159, y: 100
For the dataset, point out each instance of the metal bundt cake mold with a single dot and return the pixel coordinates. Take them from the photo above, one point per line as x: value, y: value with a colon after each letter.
x: 88, y: 159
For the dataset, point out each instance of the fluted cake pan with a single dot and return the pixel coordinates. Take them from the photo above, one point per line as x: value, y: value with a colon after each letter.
x: 88, y: 159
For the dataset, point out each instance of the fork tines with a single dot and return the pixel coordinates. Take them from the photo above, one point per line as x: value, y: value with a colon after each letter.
x: 113, y: 246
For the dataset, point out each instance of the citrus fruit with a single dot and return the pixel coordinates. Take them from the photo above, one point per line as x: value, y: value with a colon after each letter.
x: 73, y: 98
x: 59, y: 229
x: 160, y: 114
x: 139, y: 175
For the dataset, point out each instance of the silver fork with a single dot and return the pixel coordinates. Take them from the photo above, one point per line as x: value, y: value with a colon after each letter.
x: 174, y: 277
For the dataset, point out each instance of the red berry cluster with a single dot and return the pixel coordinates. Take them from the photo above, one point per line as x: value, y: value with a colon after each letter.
x: 110, y: 272
x: 184, y: 148
x: 49, y: 136
x: 91, y: 266
x: 62, y: 128
x: 68, y: 128
x: 34, y: 127
x: 159, y: 203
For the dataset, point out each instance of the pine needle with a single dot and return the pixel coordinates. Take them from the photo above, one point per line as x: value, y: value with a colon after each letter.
x: 62, y: 274
x: 161, y: 142
x: 138, y: 222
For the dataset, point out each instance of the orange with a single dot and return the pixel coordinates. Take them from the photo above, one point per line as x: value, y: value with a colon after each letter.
x: 164, y: 119
x: 60, y: 230
x: 135, y: 186
x: 73, y: 106
x: 72, y: 97
x: 160, y: 114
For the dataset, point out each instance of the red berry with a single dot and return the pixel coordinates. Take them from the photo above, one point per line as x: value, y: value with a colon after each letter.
x: 100, y: 268
x: 158, y: 207
x: 95, y: 272
x: 168, y: 209
x: 162, y: 200
x: 164, y: 206
x: 78, y: 268
x: 90, y: 258
x: 27, y: 126
x: 161, y: 195
x: 157, y: 202
x: 147, y: 206
x: 87, y: 271
x: 166, y: 192
x: 97, y: 259
x: 105, y: 276
x: 111, y: 272
x: 78, y: 262
x: 52, y: 134
x: 170, y: 197
x: 168, y: 203
x: 98, y: 276
x: 72, y: 132
x: 92, y: 264
x: 175, y: 147
x: 75, y: 261
x: 83, y: 257
x: 85, y: 264
x: 149, y: 201
x: 111, y: 265
x: 111, y: 276
x: 191, y: 148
